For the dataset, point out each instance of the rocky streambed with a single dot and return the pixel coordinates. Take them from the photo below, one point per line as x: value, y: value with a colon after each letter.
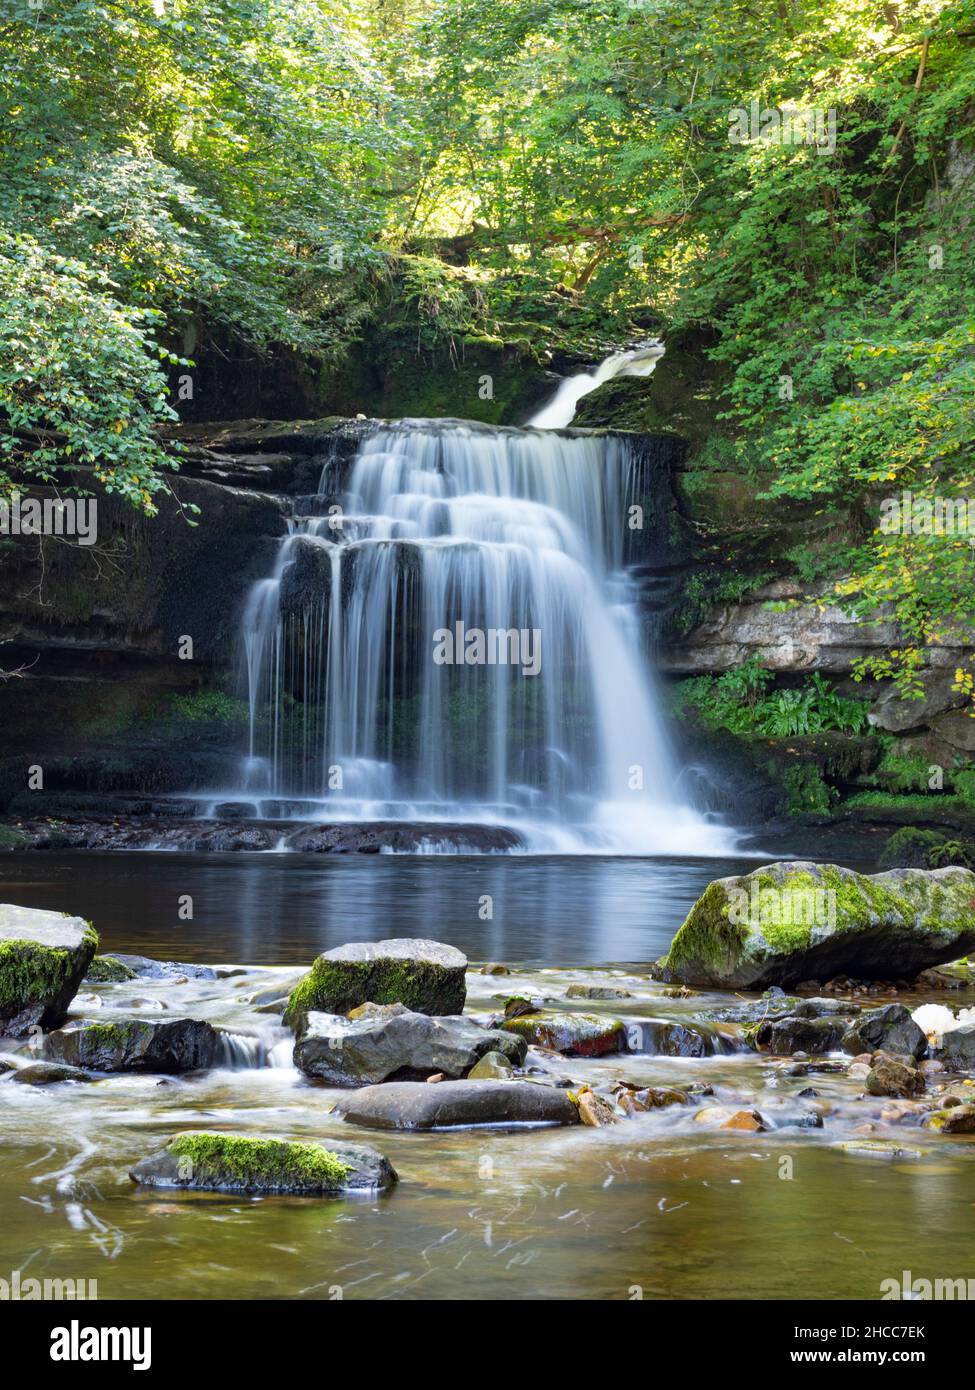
x: 492, y: 1131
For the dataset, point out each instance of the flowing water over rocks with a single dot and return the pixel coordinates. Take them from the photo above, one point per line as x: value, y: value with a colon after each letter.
x: 688, y: 1162
x: 453, y: 637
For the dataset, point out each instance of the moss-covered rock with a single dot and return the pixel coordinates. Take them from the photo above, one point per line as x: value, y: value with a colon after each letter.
x: 43, y: 959
x: 798, y: 921
x: 135, y: 1044
x: 575, y: 1035
x: 106, y: 970
x: 237, y: 1163
x: 426, y: 976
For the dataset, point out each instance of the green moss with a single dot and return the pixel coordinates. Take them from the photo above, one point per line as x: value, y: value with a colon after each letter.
x: 260, y: 1164
x: 29, y: 972
x: 107, y: 970
x: 110, y: 1035
x: 335, y: 986
x: 13, y: 838
x: 707, y: 935
x: 777, y: 909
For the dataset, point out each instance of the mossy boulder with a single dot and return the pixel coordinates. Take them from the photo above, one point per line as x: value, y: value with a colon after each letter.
x: 426, y: 976
x: 574, y: 1035
x: 796, y: 921
x: 135, y: 1044
x: 238, y: 1163
x: 43, y: 960
x: 106, y: 970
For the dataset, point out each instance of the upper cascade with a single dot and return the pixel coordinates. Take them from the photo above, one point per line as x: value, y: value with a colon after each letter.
x: 456, y: 639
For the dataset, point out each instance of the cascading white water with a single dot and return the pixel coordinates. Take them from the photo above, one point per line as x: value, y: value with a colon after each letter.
x: 509, y: 532
x: 560, y: 410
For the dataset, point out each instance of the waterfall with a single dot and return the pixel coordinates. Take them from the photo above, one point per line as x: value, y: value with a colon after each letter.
x: 561, y: 409
x: 457, y: 640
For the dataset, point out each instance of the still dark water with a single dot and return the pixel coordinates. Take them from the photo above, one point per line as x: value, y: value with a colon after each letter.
x: 283, y: 909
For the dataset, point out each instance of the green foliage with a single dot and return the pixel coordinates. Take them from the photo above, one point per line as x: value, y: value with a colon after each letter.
x: 807, y: 792
x: 914, y: 848
x: 740, y: 702
x: 166, y: 166
x: 81, y: 386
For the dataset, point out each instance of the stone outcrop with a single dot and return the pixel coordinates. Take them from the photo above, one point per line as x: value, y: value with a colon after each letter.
x: 796, y: 921
x: 43, y: 959
x: 389, y: 1040
x: 426, y: 976
x: 137, y: 1044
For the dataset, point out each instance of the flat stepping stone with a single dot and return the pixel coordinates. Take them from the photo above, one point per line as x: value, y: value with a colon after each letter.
x: 450, y: 1104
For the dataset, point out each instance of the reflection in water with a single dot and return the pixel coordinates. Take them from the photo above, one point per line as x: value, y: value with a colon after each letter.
x: 285, y: 909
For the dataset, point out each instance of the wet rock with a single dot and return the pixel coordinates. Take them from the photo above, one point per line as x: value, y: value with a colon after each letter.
x: 659, y: 1097
x: 824, y: 1008
x: 518, y: 1004
x: 875, y: 1148
x: 959, y: 1119
x: 890, y: 1029
x: 390, y: 1041
x: 957, y: 1050
x: 660, y: 1037
x: 749, y: 1120
x: 44, y: 957
x: 48, y: 1074
x: 594, y: 1111
x: 812, y: 1068
x: 234, y: 1163
x: 889, y: 1077
x: 177, y: 1045
x: 413, y: 1105
x: 372, y: 837
x: 147, y: 969
x: 597, y: 992
x: 426, y: 976
x: 786, y: 1036
x: 574, y: 1035
x: 801, y: 921
x: 789, y: 1118
x: 106, y: 970
x: 493, y: 1066
x: 713, y: 1116
x: 494, y: 968
x: 900, y: 1110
